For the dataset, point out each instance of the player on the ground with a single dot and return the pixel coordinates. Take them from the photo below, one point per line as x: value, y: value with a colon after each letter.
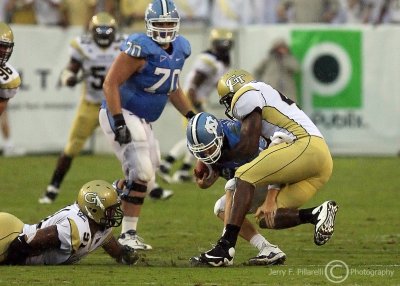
x: 9, y: 77
x: 298, y: 169
x: 208, y: 138
x: 69, y: 234
x: 142, y: 78
x: 201, y: 80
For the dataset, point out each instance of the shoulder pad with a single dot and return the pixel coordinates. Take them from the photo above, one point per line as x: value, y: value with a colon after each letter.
x: 138, y: 45
x: 184, y: 45
x: 239, y: 93
x: 77, y: 43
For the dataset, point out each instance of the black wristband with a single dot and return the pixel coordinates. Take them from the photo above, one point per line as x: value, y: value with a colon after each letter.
x: 190, y: 114
x: 118, y: 120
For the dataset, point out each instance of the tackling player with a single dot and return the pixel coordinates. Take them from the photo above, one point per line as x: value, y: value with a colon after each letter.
x: 299, y: 168
x: 9, y: 77
x: 208, y: 138
x: 142, y: 78
x: 69, y: 234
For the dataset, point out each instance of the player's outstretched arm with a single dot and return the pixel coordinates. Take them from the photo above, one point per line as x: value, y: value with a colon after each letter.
x: 123, y: 254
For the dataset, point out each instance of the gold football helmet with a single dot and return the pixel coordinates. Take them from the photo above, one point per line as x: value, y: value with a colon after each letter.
x: 6, y: 43
x: 100, y: 202
x: 229, y: 84
x: 103, y: 27
x: 221, y: 39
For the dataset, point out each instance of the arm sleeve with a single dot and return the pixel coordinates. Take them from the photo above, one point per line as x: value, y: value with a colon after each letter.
x: 247, y: 102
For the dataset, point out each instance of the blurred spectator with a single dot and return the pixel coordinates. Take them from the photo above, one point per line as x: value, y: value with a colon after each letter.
x: 353, y: 12
x: 50, y: 12
x: 278, y: 69
x: 307, y: 11
x: 79, y: 12
x: 193, y: 12
x: 386, y: 11
x: 132, y: 14
x: 20, y: 12
x: 226, y: 13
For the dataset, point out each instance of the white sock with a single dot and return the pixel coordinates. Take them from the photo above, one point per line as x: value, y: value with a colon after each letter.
x: 128, y: 223
x: 258, y: 241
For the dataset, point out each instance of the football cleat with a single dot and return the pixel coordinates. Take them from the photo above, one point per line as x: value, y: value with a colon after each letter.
x: 181, y: 176
x: 160, y: 194
x: 50, y: 195
x: 325, y: 221
x: 131, y: 239
x: 220, y: 255
x: 269, y: 255
x: 163, y: 172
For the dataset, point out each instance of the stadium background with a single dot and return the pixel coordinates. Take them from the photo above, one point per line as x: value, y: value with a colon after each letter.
x: 348, y: 85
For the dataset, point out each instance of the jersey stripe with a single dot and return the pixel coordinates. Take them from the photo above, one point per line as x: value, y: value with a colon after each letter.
x: 16, y: 82
x: 75, y: 238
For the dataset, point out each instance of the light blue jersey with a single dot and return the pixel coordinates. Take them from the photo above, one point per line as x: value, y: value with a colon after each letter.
x: 145, y: 93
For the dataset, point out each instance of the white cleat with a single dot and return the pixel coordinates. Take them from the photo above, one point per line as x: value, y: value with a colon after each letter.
x: 269, y: 255
x: 49, y: 196
x: 325, y: 217
x: 182, y: 176
x: 131, y: 239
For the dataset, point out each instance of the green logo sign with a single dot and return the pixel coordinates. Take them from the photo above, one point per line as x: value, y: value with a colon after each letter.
x: 331, y: 68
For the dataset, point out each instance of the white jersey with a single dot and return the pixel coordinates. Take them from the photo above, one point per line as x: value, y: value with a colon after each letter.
x: 95, y: 63
x: 278, y: 112
x: 207, y: 64
x: 9, y: 81
x: 74, y: 233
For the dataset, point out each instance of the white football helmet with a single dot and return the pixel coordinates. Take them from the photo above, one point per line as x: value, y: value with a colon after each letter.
x: 205, y: 137
x: 157, y: 14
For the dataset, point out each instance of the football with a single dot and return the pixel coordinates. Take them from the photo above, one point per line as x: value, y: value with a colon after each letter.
x: 201, y: 169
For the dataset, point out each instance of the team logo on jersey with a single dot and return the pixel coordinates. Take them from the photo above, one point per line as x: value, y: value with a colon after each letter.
x: 162, y: 58
x: 211, y: 125
x: 93, y: 198
x: 233, y: 80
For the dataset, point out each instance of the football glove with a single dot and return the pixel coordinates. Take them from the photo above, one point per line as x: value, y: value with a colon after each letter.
x: 122, y: 133
x: 18, y: 251
x: 129, y: 255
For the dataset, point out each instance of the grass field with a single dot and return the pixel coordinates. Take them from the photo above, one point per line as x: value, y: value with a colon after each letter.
x: 366, y: 239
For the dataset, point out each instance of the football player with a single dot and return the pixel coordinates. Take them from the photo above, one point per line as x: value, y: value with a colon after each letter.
x: 91, y: 57
x: 69, y: 234
x: 201, y: 80
x: 299, y: 168
x: 142, y: 78
x: 208, y: 138
x: 9, y: 77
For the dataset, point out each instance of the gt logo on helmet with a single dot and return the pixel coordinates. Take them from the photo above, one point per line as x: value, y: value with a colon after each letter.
x: 233, y: 80
x: 93, y: 198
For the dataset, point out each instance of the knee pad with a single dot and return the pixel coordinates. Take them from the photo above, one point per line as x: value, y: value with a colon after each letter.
x: 219, y: 205
x: 230, y: 185
x: 137, y: 163
x: 134, y: 187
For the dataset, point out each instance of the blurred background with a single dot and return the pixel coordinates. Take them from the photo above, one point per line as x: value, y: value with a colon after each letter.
x: 346, y: 77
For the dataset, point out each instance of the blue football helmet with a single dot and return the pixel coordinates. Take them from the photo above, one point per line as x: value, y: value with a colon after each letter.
x: 157, y: 13
x: 205, y: 136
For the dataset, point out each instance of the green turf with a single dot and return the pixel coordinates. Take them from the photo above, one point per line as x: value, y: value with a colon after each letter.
x: 367, y: 232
